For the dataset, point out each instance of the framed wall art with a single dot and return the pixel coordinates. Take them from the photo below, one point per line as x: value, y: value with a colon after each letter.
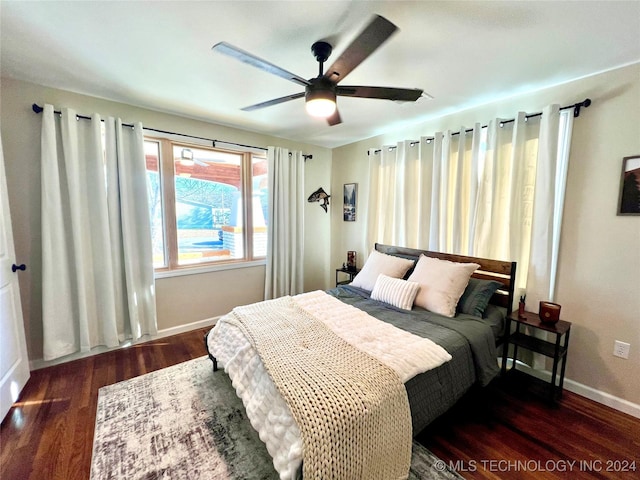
x: 350, y: 193
x: 629, y: 200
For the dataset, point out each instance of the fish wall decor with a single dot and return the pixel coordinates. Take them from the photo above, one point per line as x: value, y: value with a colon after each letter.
x: 320, y: 196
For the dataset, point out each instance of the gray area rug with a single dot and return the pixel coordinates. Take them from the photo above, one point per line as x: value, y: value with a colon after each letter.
x: 186, y: 422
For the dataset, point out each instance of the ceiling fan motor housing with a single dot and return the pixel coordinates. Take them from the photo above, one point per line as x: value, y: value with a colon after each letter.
x: 320, y: 88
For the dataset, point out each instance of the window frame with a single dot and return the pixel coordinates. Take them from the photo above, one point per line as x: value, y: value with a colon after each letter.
x: 166, y: 184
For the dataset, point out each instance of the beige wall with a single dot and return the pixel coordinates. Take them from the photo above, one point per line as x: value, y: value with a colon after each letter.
x: 180, y: 300
x: 599, y: 270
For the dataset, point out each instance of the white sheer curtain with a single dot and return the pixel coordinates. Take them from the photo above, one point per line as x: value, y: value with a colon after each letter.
x: 493, y: 192
x: 97, y: 268
x: 423, y: 193
x: 505, y: 193
x: 285, y: 245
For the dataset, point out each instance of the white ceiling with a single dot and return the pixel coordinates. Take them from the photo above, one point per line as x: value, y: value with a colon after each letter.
x: 158, y: 55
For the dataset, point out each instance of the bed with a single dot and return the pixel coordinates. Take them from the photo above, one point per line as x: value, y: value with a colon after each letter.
x: 468, y: 339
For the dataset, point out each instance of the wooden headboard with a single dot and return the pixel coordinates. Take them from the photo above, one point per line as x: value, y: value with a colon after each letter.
x: 498, y: 270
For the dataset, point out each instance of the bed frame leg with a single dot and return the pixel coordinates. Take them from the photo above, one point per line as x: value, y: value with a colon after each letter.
x: 211, y: 357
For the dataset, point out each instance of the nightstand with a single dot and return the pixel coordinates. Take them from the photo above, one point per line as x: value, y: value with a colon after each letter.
x: 523, y: 337
x: 350, y: 273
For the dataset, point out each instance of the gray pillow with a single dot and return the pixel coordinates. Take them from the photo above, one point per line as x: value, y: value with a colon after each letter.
x: 476, y: 296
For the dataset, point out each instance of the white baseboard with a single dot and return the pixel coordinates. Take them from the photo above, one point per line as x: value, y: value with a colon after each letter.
x: 604, y: 398
x: 591, y: 393
x: 165, y: 332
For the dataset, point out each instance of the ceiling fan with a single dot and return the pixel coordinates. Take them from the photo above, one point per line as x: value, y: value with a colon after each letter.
x: 320, y: 92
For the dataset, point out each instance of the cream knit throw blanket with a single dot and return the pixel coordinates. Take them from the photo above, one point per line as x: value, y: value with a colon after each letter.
x: 352, y: 410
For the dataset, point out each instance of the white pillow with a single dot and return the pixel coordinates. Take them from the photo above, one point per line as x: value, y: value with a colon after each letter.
x: 378, y: 263
x: 395, y: 291
x: 442, y: 283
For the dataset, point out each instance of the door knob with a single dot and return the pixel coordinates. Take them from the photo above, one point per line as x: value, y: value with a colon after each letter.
x: 15, y: 267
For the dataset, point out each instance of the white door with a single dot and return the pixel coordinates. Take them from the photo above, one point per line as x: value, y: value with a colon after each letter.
x: 14, y: 363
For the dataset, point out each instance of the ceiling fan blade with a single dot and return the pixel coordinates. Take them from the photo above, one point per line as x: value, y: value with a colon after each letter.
x: 334, y: 119
x: 384, y: 93
x: 275, y: 101
x: 248, y: 58
x: 374, y: 35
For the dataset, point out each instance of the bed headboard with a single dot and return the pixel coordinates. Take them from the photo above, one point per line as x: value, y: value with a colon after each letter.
x: 498, y: 270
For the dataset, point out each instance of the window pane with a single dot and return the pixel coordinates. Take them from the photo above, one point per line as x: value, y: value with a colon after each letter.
x: 152, y: 156
x: 260, y: 205
x: 209, y: 206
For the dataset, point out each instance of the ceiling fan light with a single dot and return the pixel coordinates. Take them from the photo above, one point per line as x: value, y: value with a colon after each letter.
x: 320, y: 98
x: 321, y: 107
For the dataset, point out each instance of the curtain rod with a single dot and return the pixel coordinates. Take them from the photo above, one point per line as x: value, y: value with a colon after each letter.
x: 576, y: 113
x: 38, y: 109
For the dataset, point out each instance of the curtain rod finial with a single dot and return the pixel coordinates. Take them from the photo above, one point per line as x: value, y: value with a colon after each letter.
x: 36, y: 108
x: 577, y: 106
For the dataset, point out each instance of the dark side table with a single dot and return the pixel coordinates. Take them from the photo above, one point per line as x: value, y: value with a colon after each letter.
x: 522, y: 337
x: 342, y: 271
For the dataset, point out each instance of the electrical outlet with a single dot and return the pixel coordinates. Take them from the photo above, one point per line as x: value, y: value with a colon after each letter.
x: 621, y: 349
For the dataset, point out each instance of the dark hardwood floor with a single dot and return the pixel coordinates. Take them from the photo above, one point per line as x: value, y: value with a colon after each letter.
x: 502, y: 431
x: 510, y: 431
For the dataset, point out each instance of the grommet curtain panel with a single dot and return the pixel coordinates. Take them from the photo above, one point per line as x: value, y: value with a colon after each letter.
x: 495, y: 192
x: 97, y: 267
x: 285, y: 241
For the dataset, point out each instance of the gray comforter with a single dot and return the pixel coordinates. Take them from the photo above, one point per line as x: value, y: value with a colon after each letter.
x: 470, y: 341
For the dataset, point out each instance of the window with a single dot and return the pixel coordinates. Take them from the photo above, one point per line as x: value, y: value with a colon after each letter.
x: 207, y: 205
